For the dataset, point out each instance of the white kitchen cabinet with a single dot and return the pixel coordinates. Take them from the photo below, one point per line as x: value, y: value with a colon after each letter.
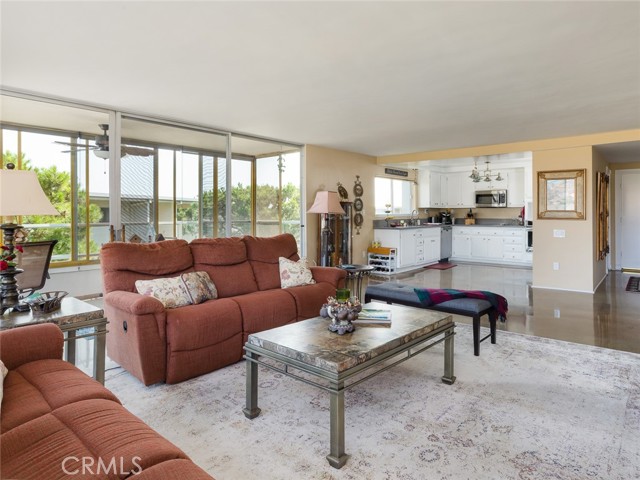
x: 430, y: 187
x: 415, y: 246
x: 407, y: 248
x: 500, y: 245
x: 515, y: 187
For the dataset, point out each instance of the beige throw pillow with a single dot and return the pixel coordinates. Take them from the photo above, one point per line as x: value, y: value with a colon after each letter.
x: 293, y: 273
x: 3, y: 372
x: 174, y: 292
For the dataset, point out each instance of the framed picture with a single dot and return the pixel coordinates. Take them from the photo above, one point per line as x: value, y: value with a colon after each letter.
x: 561, y: 194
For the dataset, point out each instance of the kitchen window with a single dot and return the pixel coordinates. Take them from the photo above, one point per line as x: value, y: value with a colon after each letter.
x: 393, y: 196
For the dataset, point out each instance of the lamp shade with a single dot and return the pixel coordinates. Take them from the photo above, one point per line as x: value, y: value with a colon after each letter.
x: 21, y: 194
x: 327, y: 202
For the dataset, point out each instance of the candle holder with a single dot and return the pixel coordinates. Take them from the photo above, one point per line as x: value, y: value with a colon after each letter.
x: 341, y: 314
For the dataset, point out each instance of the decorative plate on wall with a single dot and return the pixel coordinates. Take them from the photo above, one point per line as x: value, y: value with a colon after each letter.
x: 357, y: 205
x: 357, y: 189
x: 358, y: 220
x: 342, y: 192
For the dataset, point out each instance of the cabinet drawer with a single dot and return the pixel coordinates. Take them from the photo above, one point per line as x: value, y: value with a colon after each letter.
x: 513, y: 256
x: 513, y: 249
x: 419, y: 250
x: 420, y: 258
x: 419, y: 241
x: 513, y: 241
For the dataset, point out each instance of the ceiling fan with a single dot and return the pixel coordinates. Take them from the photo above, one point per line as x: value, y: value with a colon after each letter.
x: 101, y: 146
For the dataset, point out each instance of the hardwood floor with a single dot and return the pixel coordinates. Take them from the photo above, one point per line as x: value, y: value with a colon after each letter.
x: 609, y: 318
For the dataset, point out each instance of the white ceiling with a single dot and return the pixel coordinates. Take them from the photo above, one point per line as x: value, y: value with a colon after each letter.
x: 371, y: 77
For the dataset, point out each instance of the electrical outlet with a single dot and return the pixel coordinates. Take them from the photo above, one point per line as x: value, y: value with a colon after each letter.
x: 558, y: 233
x: 556, y: 265
x: 556, y: 313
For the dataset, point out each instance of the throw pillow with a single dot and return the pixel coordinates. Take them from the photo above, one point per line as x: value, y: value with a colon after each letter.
x: 3, y: 371
x: 170, y: 291
x: 294, y: 273
x: 199, y: 286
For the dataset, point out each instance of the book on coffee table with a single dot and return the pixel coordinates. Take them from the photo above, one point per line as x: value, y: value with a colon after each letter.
x: 373, y: 316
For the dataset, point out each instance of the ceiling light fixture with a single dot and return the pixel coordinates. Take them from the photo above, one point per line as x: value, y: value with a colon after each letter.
x: 485, y: 176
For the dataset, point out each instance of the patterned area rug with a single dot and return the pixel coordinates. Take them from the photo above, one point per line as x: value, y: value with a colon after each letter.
x: 633, y: 285
x: 527, y: 408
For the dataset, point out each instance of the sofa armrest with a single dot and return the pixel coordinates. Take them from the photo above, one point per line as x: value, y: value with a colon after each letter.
x: 334, y: 276
x: 27, y: 344
x: 134, y: 303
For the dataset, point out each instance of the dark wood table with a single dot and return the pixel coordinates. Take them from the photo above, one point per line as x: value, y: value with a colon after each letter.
x: 355, y: 275
x: 336, y: 363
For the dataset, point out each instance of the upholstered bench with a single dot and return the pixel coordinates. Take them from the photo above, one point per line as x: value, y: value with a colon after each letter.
x: 468, y: 307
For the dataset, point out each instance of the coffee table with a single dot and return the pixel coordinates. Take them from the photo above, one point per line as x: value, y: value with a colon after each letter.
x: 307, y: 351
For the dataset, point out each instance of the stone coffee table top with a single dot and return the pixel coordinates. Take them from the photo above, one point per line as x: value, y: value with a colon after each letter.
x: 310, y: 342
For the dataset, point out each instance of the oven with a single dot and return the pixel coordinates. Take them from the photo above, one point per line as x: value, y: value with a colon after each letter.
x: 529, y: 231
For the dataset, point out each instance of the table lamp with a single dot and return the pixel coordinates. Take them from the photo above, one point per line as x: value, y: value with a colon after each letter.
x: 20, y: 194
x: 324, y: 204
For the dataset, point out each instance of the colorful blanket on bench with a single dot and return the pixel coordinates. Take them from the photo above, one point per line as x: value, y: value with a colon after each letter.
x: 434, y: 296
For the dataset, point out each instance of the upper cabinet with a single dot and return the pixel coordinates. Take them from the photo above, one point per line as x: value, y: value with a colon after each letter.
x: 445, y: 190
x: 439, y: 189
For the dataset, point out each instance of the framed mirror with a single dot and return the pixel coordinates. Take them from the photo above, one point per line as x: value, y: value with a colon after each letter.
x: 561, y: 194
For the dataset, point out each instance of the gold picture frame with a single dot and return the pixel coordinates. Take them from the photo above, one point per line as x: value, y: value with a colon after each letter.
x: 561, y: 194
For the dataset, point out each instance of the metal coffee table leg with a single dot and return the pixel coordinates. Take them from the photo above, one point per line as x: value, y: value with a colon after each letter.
x: 448, y: 377
x: 251, y: 410
x: 337, y: 458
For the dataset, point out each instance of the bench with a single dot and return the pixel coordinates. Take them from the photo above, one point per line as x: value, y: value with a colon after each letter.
x: 468, y: 307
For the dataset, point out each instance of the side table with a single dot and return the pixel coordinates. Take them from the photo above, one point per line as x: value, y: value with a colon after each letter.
x: 72, y: 316
x: 355, y: 274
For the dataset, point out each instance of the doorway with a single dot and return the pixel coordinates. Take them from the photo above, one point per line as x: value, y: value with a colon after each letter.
x: 627, y: 219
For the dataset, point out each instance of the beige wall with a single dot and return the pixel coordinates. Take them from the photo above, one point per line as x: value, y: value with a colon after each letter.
x: 324, y: 169
x: 574, y: 252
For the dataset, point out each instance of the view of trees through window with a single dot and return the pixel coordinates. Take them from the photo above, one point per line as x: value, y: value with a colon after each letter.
x: 178, y: 190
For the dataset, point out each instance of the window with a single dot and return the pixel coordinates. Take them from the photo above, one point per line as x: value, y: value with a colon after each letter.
x: 393, y: 196
x: 76, y: 182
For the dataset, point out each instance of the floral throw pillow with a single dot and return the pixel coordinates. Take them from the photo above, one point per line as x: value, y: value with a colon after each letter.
x: 293, y: 273
x: 199, y: 286
x: 170, y: 291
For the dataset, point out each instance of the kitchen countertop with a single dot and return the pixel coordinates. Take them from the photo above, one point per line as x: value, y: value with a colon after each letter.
x: 435, y: 225
x: 411, y: 227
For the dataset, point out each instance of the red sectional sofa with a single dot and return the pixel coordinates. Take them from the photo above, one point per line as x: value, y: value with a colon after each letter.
x: 58, y: 423
x: 171, y: 345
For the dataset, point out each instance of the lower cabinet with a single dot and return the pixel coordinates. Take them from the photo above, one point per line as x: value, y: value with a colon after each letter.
x: 415, y: 246
x: 502, y: 245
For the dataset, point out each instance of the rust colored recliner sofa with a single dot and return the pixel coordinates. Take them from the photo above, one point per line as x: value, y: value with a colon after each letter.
x: 58, y: 423
x: 171, y: 345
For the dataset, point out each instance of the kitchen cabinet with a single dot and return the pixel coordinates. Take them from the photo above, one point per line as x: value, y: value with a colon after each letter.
x: 430, y: 187
x: 446, y: 190
x: 515, y: 187
x: 415, y: 246
x: 501, y: 245
x: 460, y: 191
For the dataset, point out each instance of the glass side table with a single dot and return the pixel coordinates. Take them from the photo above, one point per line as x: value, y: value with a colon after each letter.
x: 75, y: 318
x: 355, y: 274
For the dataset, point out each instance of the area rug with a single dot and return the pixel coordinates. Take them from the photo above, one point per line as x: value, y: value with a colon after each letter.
x: 528, y: 408
x: 441, y: 266
x: 633, y: 285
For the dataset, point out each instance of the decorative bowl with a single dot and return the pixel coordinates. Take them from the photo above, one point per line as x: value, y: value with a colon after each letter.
x: 341, y: 314
x: 46, y: 302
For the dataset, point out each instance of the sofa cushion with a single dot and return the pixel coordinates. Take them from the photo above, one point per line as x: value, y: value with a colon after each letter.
x: 309, y: 298
x: 124, y: 263
x: 3, y: 374
x: 293, y: 274
x: 36, y: 450
x: 225, y: 260
x: 198, y: 326
x: 265, y: 310
x: 37, y: 388
x: 263, y: 254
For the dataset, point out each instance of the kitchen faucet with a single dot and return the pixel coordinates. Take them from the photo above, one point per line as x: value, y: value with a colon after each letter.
x: 412, y: 220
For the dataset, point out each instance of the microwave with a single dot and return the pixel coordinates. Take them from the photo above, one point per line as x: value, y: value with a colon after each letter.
x: 491, y: 198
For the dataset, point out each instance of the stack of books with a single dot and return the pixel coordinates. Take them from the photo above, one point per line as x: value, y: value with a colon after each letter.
x: 371, y: 316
